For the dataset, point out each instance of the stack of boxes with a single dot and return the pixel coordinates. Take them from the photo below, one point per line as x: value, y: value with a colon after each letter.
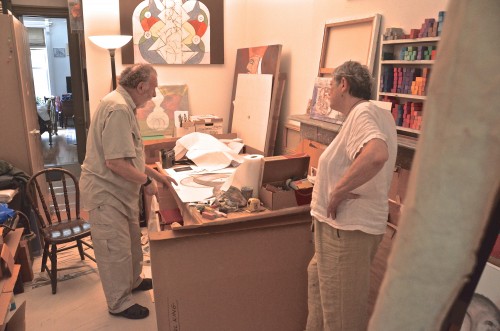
x: 393, y: 34
x: 407, y: 114
x: 412, y: 53
x: 430, y: 28
x: 404, y: 80
x: 408, y: 79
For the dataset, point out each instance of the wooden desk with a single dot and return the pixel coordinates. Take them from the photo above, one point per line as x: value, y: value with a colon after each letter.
x: 247, y: 272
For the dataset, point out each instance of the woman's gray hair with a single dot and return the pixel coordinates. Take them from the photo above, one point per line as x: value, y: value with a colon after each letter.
x: 358, y: 76
x: 133, y: 75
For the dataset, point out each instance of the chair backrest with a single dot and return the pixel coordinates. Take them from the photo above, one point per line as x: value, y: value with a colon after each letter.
x: 51, y: 208
x: 67, y: 108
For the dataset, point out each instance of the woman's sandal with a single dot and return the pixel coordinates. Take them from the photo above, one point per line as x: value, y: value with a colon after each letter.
x: 134, y: 312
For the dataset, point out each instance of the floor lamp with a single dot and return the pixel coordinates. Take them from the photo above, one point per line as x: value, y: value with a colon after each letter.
x: 111, y: 43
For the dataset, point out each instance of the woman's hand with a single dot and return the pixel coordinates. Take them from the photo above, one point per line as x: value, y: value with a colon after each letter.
x: 335, y: 200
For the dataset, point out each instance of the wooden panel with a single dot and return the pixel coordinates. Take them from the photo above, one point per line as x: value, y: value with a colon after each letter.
x: 19, y: 123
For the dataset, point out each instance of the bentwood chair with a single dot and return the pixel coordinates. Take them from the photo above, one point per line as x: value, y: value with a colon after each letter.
x: 58, y: 216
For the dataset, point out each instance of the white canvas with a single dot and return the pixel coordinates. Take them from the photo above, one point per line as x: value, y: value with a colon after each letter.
x: 251, y: 109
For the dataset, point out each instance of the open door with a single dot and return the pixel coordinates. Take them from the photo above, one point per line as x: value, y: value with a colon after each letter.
x: 76, y: 51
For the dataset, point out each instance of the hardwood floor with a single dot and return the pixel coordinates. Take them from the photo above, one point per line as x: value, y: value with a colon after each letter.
x: 63, y: 151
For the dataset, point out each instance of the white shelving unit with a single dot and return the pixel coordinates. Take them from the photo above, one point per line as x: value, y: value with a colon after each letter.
x: 394, y: 47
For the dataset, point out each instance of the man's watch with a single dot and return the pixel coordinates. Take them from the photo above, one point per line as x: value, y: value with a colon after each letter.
x: 148, y: 181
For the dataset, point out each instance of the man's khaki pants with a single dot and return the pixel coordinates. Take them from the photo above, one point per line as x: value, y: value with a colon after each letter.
x: 117, y: 248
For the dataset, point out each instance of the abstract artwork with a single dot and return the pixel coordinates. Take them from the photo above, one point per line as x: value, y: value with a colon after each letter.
x: 173, y: 31
x: 156, y: 117
x: 320, y: 102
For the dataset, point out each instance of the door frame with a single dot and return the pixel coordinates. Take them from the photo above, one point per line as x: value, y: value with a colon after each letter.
x: 79, y: 85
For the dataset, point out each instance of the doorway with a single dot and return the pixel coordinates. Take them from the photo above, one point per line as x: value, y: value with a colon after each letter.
x: 48, y: 39
x: 68, y: 146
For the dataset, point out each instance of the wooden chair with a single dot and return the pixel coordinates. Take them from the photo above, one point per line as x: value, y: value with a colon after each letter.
x: 67, y: 112
x: 58, y: 225
x: 50, y: 102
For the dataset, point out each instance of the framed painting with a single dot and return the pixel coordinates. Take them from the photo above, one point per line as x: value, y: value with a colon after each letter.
x: 320, y: 102
x: 349, y: 39
x: 157, y: 117
x: 59, y: 52
x: 173, y: 31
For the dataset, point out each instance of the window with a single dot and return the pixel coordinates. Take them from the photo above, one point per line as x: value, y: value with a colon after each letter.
x: 40, y: 68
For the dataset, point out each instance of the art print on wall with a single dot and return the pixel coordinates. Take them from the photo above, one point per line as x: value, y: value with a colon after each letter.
x: 156, y: 118
x: 59, y: 52
x: 173, y: 31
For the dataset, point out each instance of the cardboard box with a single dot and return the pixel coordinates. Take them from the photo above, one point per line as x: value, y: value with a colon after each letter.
x: 247, y: 276
x: 187, y: 127
x: 25, y: 261
x: 6, y: 260
x: 277, y: 169
x: 208, y: 124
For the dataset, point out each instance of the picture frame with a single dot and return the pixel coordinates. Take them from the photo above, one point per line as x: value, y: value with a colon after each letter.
x: 156, y: 117
x: 346, y: 39
x: 484, y: 308
x: 59, y: 52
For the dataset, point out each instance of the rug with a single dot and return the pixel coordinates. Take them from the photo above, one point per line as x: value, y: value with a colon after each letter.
x: 70, y: 266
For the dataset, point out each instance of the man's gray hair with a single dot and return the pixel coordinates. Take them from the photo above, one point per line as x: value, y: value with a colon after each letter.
x: 133, y: 75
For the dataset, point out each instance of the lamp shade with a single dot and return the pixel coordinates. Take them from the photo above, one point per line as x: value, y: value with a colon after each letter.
x: 110, y: 41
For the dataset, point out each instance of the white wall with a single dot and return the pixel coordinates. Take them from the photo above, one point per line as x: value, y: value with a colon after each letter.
x: 296, y: 24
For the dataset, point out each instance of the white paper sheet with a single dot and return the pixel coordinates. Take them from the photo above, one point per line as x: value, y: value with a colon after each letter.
x: 208, y: 152
x: 194, y: 192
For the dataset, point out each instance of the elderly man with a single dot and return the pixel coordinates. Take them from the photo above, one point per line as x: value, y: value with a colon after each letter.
x: 111, y: 179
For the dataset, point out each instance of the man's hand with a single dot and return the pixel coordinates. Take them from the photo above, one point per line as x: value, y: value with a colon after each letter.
x: 167, y: 179
x: 151, y: 189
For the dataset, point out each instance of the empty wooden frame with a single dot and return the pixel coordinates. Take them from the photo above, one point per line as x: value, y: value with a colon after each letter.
x: 349, y: 39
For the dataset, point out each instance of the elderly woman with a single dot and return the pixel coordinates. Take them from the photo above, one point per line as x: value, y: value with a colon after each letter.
x: 349, y: 204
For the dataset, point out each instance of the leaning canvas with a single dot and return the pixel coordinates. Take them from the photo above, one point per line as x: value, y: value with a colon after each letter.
x: 320, y: 102
x: 156, y: 118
